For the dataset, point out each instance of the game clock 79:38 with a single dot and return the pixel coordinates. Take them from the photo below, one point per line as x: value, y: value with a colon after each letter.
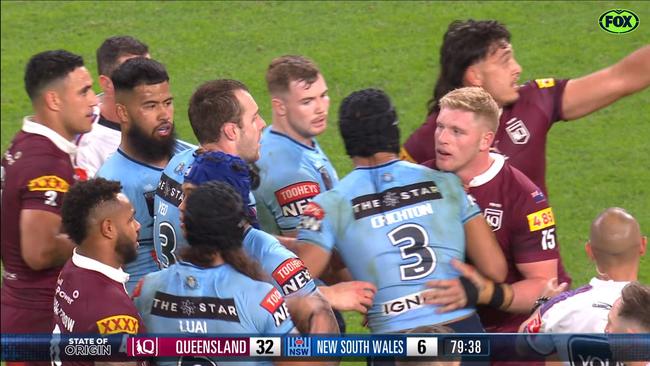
x: 466, y: 346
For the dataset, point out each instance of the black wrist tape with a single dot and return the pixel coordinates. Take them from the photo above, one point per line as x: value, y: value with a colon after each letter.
x: 471, y: 292
x: 497, y: 298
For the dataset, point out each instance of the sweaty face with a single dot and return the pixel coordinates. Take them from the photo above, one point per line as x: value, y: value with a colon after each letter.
x: 77, y: 102
x: 150, y: 125
x: 459, y: 138
x: 307, y: 107
x: 250, y: 128
x: 128, y: 231
x: 499, y: 73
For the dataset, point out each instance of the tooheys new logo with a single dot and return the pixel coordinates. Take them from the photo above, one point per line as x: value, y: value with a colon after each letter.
x: 618, y: 21
x: 293, y: 199
x: 274, y: 303
x: 291, y: 275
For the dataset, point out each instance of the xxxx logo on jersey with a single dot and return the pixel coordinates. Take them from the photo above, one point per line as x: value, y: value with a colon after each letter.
x: 48, y: 183
x: 118, y: 324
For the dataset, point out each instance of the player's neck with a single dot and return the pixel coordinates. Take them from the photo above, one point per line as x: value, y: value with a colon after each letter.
x: 92, y: 251
x: 619, y: 273
x: 108, y: 109
x: 53, y: 123
x: 134, y: 154
x: 222, y: 145
x: 479, y: 165
x: 281, y: 125
x: 377, y: 159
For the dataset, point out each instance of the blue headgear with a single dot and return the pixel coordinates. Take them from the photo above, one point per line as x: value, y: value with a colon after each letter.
x: 219, y: 166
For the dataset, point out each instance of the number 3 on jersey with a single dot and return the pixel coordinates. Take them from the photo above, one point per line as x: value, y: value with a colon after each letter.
x: 413, y: 242
x: 167, y: 244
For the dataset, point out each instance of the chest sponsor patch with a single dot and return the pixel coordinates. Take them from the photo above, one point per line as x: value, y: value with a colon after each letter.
x: 394, y: 198
x: 403, y: 304
x: 545, y: 83
x: 192, y: 307
x: 541, y: 219
x: 293, y: 198
x: 48, y: 183
x: 118, y: 324
x: 291, y: 275
x: 169, y: 190
x: 274, y: 303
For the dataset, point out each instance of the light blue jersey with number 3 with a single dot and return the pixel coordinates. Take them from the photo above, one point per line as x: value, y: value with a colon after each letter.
x: 396, y: 225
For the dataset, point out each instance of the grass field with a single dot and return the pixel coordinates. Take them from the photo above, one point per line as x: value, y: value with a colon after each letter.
x: 593, y: 163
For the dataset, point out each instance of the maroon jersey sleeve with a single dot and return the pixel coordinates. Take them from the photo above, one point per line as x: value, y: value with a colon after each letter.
x: 44, y: 185
x: 541, y: 96
x: 533, y: 238
x: 420, y: 146
x: 118, y: 316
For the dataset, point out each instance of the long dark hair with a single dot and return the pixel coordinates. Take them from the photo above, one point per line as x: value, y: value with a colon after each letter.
x: 464, y: 43
x: 214, y: 224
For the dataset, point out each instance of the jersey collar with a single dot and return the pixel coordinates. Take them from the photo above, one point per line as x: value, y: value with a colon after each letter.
x: 312, y: 148
x: 115, y: 274
x: 30, y: 126
x: 493, y: 170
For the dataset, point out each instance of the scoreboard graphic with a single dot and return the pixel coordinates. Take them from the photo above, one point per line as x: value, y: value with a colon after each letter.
x: 611, y: 348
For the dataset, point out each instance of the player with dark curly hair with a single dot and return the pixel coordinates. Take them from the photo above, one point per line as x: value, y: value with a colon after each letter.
x: 90, y: 296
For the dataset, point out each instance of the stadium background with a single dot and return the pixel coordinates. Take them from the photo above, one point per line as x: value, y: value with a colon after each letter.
x: 599, y: 161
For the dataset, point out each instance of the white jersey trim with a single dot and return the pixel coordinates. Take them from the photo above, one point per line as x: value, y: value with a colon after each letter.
x: 30, y: 126
x: 115, y: 274
x: 493, y: 170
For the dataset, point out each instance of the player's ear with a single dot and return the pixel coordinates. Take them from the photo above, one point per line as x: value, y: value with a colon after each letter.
x: 644, y: 245
x: 486, y: 140
x: 229, y: 130
x: 589, y: 251
x: 278, y: 106
x: 473, y: 76
x: 108, y: 228
x: 122, y: 112
x: 52, y: 100
x: 106, y: 84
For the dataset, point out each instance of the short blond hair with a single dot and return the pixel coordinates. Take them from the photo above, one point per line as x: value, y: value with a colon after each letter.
x: 476, y: 100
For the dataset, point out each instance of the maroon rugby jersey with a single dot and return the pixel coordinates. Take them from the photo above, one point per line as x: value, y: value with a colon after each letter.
x: 36, y: 172
x: 90, y: 298
x: 522, y: 132
x: 523, y: 224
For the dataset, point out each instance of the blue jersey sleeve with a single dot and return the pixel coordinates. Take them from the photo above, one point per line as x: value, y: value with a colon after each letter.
x: 319, y: 224
x: 287, y: 271
x: 269, y: 311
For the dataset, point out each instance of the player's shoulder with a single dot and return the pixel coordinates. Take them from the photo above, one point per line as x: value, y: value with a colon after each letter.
x: 183, y: 146
x: 28, y: 146
x: 518, y: 184
x: 279, y: 150
x: 114, y: 166
x: 542, y: 85
x: 180, y: 163
x: 569, y: 301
